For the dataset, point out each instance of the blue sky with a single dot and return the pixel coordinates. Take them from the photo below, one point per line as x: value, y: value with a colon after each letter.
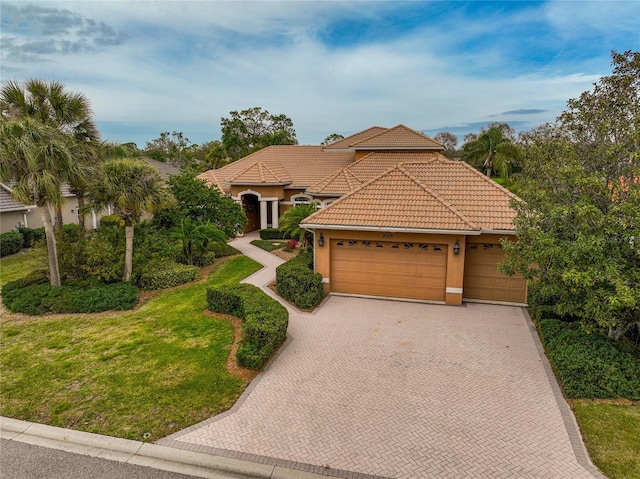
x: 331, y: 66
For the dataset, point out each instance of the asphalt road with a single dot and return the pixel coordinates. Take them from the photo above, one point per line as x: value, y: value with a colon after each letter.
x: 24, y: 461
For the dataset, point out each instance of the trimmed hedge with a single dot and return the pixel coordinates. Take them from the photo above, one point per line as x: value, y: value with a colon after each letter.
x: 264, y: 321
x: 161, y: 275
x: 589, y: 365
x: 296, y: 282
x: 272, y: 234
x: 10, y: 243
x: 34, y: 295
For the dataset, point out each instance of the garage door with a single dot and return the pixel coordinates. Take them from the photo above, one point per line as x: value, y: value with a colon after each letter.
x: 392, y: 269
x: 482, y: 280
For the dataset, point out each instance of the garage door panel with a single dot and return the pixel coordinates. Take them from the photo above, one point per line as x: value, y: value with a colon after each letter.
x: 483, y: 280
x: 393, y: 269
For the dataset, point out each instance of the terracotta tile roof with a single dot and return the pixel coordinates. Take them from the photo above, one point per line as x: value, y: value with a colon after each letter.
x: 436, y: 195
x: 394, y: 200
x: 368, y: 168
x: 398, y: 137
x: 164, y: 169
x: 304, y: 165
x: 260, y: 173
x: 356, y: 137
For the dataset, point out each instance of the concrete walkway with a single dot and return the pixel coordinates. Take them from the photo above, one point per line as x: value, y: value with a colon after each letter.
x: 374, y: 388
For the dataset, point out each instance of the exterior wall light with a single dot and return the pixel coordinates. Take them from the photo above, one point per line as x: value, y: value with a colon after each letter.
x: 456, y: 248
x: 321, y: 240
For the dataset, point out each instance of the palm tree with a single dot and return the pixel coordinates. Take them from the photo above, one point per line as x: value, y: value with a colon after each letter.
x: 197, y: 237
x: 38, y: 159
x: 133, y: 187
x: 491, y: 150
x: 291, y: 219
x: 70, y: 113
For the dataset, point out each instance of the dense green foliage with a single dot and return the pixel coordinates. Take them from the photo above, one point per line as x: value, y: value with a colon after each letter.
x: 251, y: 130
x: 34, y: 296
x: 31, y: 236
x: 165, y: 274
x: 10, y: 243
x: 589, y: 365
x: 291, y: 219
x: 492, y: 150
x: 196, y: 239
x: 273, y: 233
x: 578, y: 223
x: 264, y: 321
x: 296, y: 282
x: 201, y: 204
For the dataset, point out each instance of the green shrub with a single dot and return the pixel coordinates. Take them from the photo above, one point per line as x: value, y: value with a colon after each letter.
x: 589, y: 365
x: 35, y: 296
x: 39, y: 234
x: 264, y: 321
x: 10, y: 243
x: 161, y: 275
x: 109, y: 221
x: 272, y: 233
x: 27, y: 236
x: 296, y: 282
x: 71, y: 247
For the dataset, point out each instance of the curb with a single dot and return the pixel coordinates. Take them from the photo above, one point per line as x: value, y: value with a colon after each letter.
x: 143, y: 453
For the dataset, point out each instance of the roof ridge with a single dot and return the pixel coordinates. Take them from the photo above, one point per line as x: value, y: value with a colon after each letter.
x: 452, y: 208
x: 419, y: 133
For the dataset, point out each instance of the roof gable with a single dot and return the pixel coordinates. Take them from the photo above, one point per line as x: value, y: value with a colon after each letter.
x: 260, y: 173
x: 398, y: 137
x: 355, y: 138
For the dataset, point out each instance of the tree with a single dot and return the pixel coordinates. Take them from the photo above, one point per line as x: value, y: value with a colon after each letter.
x: 449, y: 140
x: 173, y: 148
x: 197, y: 237
x: 37, y: 157
x: 578, y: 224
x: 200, y: 203
x: 492, y: 149
x: 291, y: 219
x: 332, y: 138
x: 132, y: 187
x: 253, y: 129
x: 70, y: 113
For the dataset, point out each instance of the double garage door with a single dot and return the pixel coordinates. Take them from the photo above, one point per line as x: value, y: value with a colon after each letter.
x: 419, y: 271
x: 392, y: 269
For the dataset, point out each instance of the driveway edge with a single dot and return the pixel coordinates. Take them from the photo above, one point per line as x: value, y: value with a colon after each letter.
x: 570, y: 423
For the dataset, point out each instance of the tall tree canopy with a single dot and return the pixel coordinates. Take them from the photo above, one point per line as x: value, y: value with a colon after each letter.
x: 173, y: 148
x: 450, y: 142
x: 132, y: 187
x: 332, y: 138
x: 578, y: 223
x: 492, y: 150
x: 250, y: 130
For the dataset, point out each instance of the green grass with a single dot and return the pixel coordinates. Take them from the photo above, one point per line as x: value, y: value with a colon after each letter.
x: 611, y: 432
x: 269, y: 245
x: 153, y: 370
x: 18, y: 265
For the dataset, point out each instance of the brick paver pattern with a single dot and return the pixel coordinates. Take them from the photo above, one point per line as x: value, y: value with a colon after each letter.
x: 403, y: 390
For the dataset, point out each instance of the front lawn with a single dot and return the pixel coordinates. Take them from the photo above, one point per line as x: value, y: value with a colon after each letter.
x: 140, y: 374
x: 611, y: 432
x: 19, y: 264
x: 269, y: 245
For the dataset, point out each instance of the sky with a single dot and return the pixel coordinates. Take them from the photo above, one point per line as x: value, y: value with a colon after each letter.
x: 330, y: 66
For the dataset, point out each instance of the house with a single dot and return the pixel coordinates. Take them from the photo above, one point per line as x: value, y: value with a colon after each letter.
x: 396, y: 218
x: 14, y: 214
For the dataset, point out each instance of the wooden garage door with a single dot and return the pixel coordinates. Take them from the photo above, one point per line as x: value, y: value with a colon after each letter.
x: 393, y: 269
x: 482, y: 280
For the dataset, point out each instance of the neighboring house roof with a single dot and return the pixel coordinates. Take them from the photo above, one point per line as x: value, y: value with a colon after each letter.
x: 165, y: 169
x: 8, y: 203
x: 259, y: 173
x: 434, y: 196
x: 345, y: 143
x: 366, y: 169
x: 303, y: 165
x: 398, y: 138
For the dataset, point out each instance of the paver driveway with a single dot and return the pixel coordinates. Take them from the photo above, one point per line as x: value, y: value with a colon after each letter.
x: 401, y: 390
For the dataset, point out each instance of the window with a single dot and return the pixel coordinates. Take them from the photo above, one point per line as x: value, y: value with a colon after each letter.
x: 423, y: 247
x: 301, y: 199
x: 395, y: 246
x: 487, y: 247
x: 436, y: 248
x: 340, y: 243
x: 379, y: 245
x: 353, y: 243
x: 408, y: 245
x: 473, y: 246
x: 366, y: 244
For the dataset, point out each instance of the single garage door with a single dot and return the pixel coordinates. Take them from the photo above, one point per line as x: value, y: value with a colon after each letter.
x: 392, y: 269
x: 482, y: 280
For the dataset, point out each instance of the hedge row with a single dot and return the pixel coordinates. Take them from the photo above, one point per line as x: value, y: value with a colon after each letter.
x: 31, y: 236
x: 34, y: 295
x: 10, y: 243
x: 296, y: 282
x: 264, y: 321
x: 272, y: 234
x: 589, y: 365
x: 161, y: 275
